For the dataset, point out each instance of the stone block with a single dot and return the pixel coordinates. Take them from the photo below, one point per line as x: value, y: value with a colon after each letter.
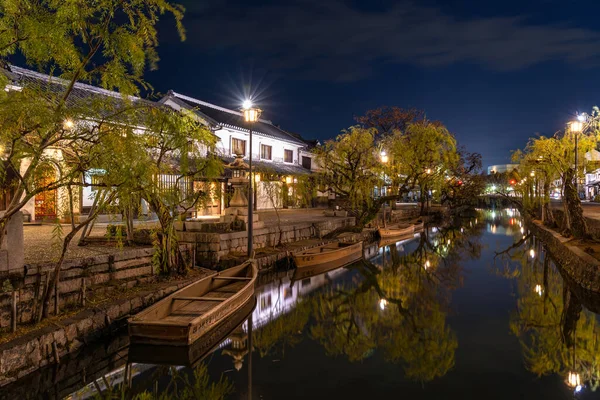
x: 132, y: 263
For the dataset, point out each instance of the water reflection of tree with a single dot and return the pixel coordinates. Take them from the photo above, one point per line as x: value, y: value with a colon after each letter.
x: 556, y: 334
x: 399, y: 309
x: 283, y: 331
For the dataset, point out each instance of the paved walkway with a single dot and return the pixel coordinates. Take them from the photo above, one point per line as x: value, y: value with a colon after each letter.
x: 590, y: 210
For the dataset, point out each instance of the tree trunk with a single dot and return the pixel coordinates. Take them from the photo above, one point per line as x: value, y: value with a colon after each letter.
x: 167, y: 247
x: 579, y: 227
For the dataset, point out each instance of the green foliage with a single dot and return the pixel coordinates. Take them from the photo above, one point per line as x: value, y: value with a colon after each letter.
x: 181, y: 387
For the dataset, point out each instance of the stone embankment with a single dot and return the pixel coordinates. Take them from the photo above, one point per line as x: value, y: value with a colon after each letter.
x: 47, y: 345
x: 124, y: 269
x: 582, y: 268
x: 212, y: 247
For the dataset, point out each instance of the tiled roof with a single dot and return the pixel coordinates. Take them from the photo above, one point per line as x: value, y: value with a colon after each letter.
x: 233, y: 119
x: 81, y: 95
x: 275, y: 167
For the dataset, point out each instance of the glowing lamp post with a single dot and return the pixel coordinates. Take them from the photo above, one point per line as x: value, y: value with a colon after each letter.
x: 251, y: 115
x: 577, y: 128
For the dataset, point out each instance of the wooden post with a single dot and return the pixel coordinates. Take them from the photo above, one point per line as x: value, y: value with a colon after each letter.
x: 14, y: 312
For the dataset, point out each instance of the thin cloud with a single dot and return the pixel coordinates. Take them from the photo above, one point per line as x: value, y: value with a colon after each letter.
x: 335, y: 41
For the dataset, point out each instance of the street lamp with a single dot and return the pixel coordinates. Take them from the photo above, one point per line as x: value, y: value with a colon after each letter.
x: 251, y: 115
x: 576, y: 128
x: 384, y: 157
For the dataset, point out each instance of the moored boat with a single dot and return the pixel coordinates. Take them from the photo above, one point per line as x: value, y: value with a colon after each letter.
x: 184, y: 316
x: 328, y: 256
x: 193, y: 354
x: 396, y: 230
x: 419, y: 225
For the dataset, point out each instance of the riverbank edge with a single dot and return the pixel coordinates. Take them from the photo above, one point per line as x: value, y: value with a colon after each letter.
x: 581, y: 267
x: 44, y: 346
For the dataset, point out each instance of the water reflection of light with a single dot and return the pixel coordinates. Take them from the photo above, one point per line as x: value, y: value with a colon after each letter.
x: 493, y: 215
x: 532, y: 253
x: 493, y: 229
x: 522, y: 230
x: 382, y: 303
x: 538, y: 289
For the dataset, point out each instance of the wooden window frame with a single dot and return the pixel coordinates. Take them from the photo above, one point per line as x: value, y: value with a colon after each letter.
x: 284, y: 154
x: 270, y: 152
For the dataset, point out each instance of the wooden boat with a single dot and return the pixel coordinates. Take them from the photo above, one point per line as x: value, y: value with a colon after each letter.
x: 419, y: 225
x: 184, y: 316
x: 396, y: 230
x: 328, y: 256
x: 191, y: 355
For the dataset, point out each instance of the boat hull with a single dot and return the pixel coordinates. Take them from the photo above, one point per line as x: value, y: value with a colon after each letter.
x: 146, y: 329
x: 393, y: 232
x: 328, y: 260
x: 166, y: 354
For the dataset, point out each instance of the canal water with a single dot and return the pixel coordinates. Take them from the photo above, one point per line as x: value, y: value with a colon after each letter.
x: 472, y: 310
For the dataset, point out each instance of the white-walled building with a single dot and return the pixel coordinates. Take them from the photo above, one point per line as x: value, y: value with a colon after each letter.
x: 275, y: 152
x: 280, y: 157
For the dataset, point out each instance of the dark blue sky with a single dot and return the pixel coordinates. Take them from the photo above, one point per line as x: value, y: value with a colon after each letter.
x: 494, y: 72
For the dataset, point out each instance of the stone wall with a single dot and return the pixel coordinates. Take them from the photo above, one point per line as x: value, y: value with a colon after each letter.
x: 126, y: 269
x: 48, y: 345
x: 581, y: 267
x: 211, y: 247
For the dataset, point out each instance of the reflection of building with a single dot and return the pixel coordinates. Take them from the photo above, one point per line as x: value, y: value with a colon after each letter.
x: 504, y: 222
x: 501, y: 168
x: 239, y: 347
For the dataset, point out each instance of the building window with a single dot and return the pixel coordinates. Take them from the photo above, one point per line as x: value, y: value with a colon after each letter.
x: 238, y: 146
x: 265, y: 152
x: 306, y: 162
x: 288, y: 156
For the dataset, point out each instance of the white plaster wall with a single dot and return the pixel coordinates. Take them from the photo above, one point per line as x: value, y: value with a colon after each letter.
x: 277, y: 146
x: 264, y: 195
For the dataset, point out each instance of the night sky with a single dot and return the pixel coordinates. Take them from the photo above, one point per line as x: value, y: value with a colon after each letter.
x: 495, y: 72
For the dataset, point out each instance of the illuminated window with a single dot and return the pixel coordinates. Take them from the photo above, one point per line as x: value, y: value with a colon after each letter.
x: 238, y: 146
x: 288, y: 156
x: 265, y: 152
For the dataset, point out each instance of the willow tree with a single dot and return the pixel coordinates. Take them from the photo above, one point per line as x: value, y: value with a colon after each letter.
x: 549, y: 159
x: 179, y: 148
x: 421, y: 156
x: 351, y: 169
x: 109, y: 43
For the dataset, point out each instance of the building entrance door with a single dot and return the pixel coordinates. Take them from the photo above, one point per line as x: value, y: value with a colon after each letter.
x: 45, y: 202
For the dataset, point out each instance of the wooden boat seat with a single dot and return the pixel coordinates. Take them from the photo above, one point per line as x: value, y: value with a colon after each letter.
x: 203, y: 298
x: 233, y: 278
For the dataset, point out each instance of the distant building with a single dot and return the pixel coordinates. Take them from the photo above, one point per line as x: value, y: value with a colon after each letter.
x: 501, y: 168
